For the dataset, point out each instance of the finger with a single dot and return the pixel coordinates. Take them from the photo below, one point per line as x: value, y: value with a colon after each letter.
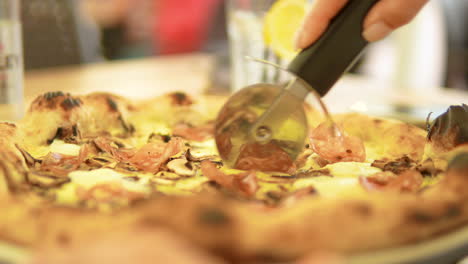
x: 317, y: 21
x: 388, y: 15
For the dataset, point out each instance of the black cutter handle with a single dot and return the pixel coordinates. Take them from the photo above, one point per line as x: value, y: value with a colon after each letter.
x: 323, y: 63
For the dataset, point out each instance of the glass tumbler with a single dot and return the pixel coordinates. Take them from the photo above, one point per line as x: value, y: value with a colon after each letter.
x: 246, y: 39
x: 11, y: 61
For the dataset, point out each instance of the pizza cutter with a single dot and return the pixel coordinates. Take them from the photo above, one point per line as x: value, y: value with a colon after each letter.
x: 272, y: 114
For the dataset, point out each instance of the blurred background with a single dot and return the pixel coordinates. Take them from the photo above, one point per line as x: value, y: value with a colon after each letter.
x: 431, y: 52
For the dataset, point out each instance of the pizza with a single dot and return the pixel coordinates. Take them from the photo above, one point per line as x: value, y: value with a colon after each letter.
x: 100, y: 178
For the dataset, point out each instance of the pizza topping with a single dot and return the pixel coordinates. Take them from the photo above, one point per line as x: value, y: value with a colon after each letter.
x: 30, y: 160
x: 245, y: 183
x: 152, y: 156
x: 45, y: 180
x: 450, y: 129
x: 158, y: 138
x: 148, y: 158
x: 198, y: 133
x: 122, y: 167
x: 60, y: 164
x: 428, y: 168
x: 192, y: 155
x: 334, y: 145
x: 377, y: 181
x: 181, y: 167
x: 99, y: 162
x: 113, y: 148
x: 396, y: 166
x: 313, y: 173
x: 264, y: 157
x: 408, y: 181
x: 180, y: 99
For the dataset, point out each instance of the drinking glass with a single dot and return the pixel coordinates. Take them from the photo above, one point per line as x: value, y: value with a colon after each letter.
x: 11, y: 61
x: 246, y: 39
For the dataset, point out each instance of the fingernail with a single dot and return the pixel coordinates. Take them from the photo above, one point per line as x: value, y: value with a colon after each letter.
x: 376, y: 32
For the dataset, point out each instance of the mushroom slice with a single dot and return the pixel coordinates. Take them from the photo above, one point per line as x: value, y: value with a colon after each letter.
x: 200, y: 156
x: 181, y: 167
x: 29, y: 159
x: 46, y: 180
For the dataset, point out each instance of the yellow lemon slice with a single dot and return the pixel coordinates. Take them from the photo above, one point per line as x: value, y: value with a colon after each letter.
x: 281, y: 23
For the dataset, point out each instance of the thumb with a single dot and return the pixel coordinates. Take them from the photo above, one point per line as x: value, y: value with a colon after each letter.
x: 388, y: 15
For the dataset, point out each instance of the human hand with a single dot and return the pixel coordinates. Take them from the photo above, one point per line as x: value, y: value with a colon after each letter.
x: 106, y: 12
x: 384, y: 17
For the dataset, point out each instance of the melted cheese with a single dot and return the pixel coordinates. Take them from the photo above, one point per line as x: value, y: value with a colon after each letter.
x: 351, y: 169
x: 345, y: 180
x: 332, y: 187
x: 89, y: 179
x: 145, y: 129
x: 203, y: 149
x: 57, y: 146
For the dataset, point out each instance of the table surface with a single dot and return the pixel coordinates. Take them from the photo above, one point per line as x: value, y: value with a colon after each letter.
x: 193, y: 73
x: 140, y: 78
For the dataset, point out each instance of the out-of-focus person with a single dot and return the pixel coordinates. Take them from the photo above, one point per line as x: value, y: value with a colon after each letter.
x: 148, y: 27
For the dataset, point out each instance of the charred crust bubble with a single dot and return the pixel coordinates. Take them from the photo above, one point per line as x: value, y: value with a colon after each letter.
x: 453, y: 211
x: 275, y: 197
x: 67, y: 134
x: 58, y: 135
x: 378, y: 121
x: 213, y: 217
x: 51, y: 95
x: 166, y: 138
x: 420, y: 217
x: 63, y: 239
x: 70, y: 103
x: 129, y: 128
x: 112, y: 104
x: 363, y: 209
x: 9, y: 124
x: 180, y: 98
x: 75, y: 131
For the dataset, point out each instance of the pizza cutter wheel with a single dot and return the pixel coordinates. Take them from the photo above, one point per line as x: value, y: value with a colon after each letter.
x: 270, y: 117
